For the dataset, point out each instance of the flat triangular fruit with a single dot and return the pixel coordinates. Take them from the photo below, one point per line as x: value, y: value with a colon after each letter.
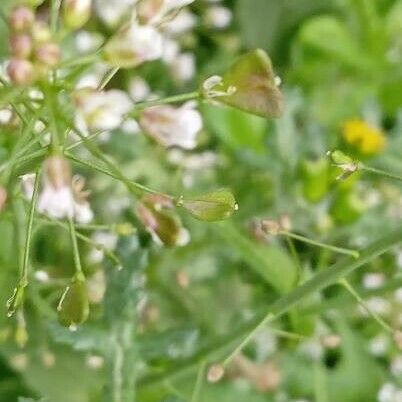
x: 256, y: 90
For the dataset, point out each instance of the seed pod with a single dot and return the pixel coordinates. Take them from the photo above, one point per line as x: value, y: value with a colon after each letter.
x: 73, y: 308
x: 215, y: 206
x: 21, y: 72
x: 315, y: 177
x: 249, y: 85
x: 164, y: 226
x: 21, y: 19
x: 76, y: 13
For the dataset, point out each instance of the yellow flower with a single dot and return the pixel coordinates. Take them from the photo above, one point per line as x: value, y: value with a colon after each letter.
x: 366, y: 138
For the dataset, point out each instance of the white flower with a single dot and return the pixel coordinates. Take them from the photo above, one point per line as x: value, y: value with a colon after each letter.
x: 112, y: 11
x: 183, y: 67
x: 56, y: 202
x: 173, y: 126
x: 157, y: 12
x: 134, y: 45
x: 99, y: 110
x: 373, y: 280
x: 138, y: 89
x: 218, y: 17
x: 182, y: 23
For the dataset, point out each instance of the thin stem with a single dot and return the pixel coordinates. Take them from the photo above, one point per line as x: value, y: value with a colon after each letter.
x: 318, y: 282
x: 268, y: 318
x: 108, y: 253
x: 27, y: 249
x: 198, y: 383
x: 73, y: 234
x: 346, y: 284
x: 54, y: 15
x: 108, y: 76
x: 294, y: 254
x: 135, y: 188
x: 164, y: 101
x: 341, y: 250
x: 379, y: 172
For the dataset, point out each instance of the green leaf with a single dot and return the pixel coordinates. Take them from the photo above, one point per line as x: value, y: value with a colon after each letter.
x: 211, y: 207
x: 270, y: 262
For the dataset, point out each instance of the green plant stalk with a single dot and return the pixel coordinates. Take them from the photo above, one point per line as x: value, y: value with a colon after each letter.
x: 76, y: 253
x: 135, y: 188
x: 165, y: 101
x: 345, y: 283
x: 379, y: 172
x: 198, y: 383
x: 317, y: 283
x: 340, y: 250
x: 108, y: 253
x: 28, y: 238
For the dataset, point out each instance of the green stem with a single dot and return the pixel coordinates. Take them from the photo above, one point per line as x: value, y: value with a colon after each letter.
x: 341, y: 250
x: 164, y: 101
x: 54, y: 15
x: 379, y: 172
x: 77, y: 260
x: 27, y: 249
x: 317, y: 283
x: 345, y: 283
x: 108, y: 76
x: 135, y: 188
x: 198, y: 383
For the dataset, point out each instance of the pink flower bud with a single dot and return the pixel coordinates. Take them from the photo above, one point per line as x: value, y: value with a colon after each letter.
x: 48, y: 54
x: 3, y: 198
x: 21, y: 18
x: 58, y: 171
x: 21, y: 45
x: 76, y: 13
x: 20, y: 71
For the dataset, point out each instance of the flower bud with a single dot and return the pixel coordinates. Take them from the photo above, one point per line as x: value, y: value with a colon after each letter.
x: 40, y: 32
x: 21, y: 19
x: 315, y: 177
x: 21, y: 46
x: 271, y: 227
x: 58, y: 171
x: 215, y: 206
x: 20, y: 71
x: 3, y: 198
x: 48, y: 54
x: 249, y: 85
x: 73, y: 308
x: 76, y: 13
x: 133, y: 45
x: 215, y: 373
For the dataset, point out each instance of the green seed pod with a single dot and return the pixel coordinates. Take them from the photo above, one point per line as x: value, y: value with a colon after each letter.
x: 315, y: 177
x: 73, y: 308
x: 249, y: 85
x: 16, y: 299
x: 215, y: 206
